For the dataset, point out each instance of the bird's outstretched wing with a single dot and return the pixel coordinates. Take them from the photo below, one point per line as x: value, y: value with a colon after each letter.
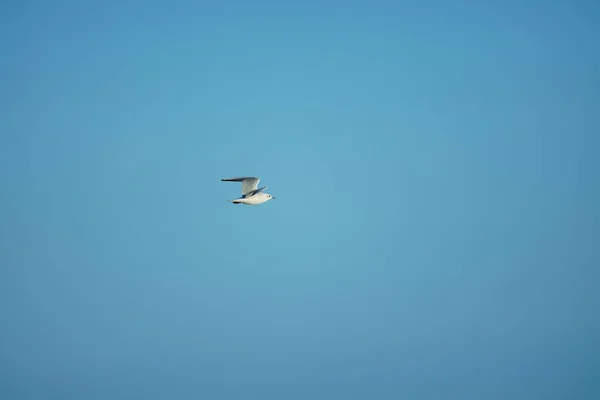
x: 255, y: 191
x: 249, y: 183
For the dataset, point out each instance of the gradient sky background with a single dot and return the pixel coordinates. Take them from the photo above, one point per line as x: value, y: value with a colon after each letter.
x: 435, y: 233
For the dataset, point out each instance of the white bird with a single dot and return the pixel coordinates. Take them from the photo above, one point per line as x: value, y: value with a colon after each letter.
x: 250, y: 194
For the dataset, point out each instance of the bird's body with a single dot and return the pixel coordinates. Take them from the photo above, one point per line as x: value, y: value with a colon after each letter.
x: 250, y: 194
x: 254, y: 200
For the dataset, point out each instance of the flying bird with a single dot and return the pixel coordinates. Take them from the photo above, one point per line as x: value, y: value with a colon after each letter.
x: 250, y: 194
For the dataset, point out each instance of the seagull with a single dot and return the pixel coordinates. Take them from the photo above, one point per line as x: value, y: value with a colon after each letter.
x: 250, y: 194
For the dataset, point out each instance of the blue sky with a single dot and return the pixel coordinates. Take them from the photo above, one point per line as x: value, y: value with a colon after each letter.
x: 435, y: 233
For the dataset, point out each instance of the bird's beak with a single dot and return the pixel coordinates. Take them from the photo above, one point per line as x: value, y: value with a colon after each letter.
x: 273, y: 197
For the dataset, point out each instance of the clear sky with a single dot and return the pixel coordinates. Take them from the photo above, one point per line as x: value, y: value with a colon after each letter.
x: 436, y: 228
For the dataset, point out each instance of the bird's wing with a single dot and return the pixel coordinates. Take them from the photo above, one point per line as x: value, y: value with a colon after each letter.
x: 255, y: 191
x: 249, y: 183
